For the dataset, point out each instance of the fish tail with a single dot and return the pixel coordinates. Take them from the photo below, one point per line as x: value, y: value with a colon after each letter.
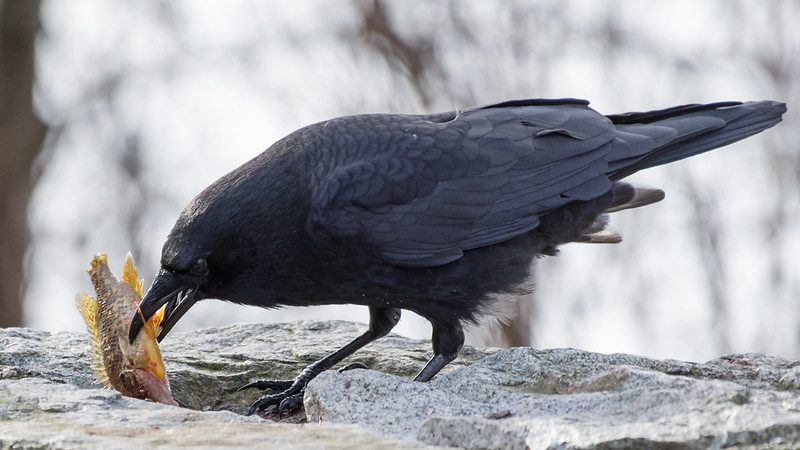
x: 87, y: 306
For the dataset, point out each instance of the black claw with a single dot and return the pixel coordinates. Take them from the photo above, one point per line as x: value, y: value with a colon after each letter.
x: 290, y: 403
x: 351, y: 366
x: 264, y: 402
x: 275, y: 385
x: 270, y: 400
x: 290, y: 398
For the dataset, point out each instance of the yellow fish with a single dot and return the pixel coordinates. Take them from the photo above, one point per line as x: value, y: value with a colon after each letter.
x: 137, y: 369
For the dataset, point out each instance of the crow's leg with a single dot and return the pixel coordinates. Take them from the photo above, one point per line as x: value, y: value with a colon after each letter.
x: 381, y: 321
x: 447, y: 341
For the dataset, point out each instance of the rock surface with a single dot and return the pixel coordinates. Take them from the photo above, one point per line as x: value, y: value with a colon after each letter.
x: 515, y: 398
x: 570, y: 399
x: 49, y: 398
x: 36, y: 413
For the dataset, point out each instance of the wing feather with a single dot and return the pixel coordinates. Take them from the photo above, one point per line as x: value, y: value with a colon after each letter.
x: 423, y: 189
x: 483, y: 177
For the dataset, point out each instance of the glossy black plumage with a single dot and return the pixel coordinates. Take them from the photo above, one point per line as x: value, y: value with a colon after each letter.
x: 439, y: 214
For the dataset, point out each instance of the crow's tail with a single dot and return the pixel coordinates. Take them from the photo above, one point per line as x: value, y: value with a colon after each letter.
x: 649, y: 139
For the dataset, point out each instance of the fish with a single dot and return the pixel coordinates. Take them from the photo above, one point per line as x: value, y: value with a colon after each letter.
x: 134, y: 369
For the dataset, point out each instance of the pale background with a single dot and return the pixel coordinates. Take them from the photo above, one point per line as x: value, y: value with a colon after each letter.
x: 148, y: 102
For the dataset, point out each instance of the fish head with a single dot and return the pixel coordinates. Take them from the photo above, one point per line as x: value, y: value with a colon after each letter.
x: 144, y: 353
x: 143, y: 384
x: 144, y: 375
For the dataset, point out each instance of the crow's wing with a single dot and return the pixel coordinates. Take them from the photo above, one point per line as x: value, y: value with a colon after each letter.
x: 422, y: 189
x: 434, y: 186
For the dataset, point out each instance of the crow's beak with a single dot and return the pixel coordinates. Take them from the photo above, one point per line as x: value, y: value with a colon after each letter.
x: 164, y: 290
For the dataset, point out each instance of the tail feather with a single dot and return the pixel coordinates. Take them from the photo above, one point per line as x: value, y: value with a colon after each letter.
x: 622, y: 196
x: 650, y: 139
x: 601, y: 237
x: 659, y: 114
x: 695, y: 128
x: 627, y: 196
x: 586, y: 221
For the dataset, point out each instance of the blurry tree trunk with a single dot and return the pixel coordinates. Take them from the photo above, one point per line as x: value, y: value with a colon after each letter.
x: 21, y: 136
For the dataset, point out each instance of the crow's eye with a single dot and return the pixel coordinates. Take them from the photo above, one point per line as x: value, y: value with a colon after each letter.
x: 199, y: 267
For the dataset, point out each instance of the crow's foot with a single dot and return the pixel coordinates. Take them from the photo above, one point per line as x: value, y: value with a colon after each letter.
x: 288, y: 400
x: 291, y: 396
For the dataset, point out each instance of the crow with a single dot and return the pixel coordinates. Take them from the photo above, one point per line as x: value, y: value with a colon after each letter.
x: 440, y: 214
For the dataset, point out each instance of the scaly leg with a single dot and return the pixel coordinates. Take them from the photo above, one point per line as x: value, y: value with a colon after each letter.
x: 447, y: 341
x: 381, y: 321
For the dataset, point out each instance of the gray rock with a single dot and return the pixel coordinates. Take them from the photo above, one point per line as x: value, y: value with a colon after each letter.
x: 49, y: 398
x: 571, y: 399
x: 39, y: 413
x: 206, y: 366
x: 515, y: 398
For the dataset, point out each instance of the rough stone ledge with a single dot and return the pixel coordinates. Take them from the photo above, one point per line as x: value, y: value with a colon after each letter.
x: 572, y: 399
x: 515, y: 398
x: 41, y: 414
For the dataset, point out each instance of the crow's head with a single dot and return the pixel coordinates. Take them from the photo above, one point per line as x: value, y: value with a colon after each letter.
x: 210, y: 253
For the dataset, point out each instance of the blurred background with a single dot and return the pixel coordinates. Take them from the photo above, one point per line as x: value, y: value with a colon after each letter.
x: 114, y: 114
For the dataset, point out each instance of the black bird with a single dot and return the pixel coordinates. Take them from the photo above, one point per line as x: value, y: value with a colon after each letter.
x: 439, y: 214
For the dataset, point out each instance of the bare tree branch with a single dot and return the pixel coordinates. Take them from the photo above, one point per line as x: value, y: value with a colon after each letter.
x: 412, y: 58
